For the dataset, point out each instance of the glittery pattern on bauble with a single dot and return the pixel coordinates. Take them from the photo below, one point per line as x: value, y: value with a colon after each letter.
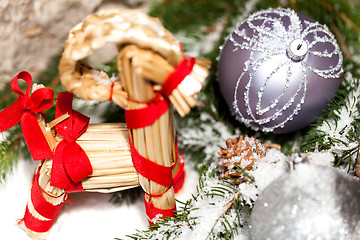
x: 271, y: 33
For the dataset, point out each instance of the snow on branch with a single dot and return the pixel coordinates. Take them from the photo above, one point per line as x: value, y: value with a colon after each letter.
x: 339, y: 129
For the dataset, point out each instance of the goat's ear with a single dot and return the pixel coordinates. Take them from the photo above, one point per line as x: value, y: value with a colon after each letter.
x: 183, y: 96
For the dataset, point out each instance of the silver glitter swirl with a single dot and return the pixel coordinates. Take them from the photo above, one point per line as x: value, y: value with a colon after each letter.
x: 270, y: 34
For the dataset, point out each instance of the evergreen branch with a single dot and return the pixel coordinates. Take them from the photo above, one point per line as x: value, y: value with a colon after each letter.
x: 229, y: 205
x: 220, y: 208
x: 9, y: 148
x: 217, y: 198
x: 339, y: 132
x: 8, y: 96
x: 214, y: 117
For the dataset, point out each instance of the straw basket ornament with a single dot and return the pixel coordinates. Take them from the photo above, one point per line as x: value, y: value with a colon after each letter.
x: 154, y: 75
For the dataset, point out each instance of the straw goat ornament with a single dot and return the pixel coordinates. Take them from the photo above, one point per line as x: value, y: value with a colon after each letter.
x: 154, y: 75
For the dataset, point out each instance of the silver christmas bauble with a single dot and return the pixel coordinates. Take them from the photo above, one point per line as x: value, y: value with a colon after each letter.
x: 310, y: 203
x: 279, y: 69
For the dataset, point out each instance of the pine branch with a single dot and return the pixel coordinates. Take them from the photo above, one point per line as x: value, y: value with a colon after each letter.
x: 9, y: 149
x: 223, y: 215
x: 215, y: 210
x: 220, y: 208
x: 11, y: 141
x: 340, y: 131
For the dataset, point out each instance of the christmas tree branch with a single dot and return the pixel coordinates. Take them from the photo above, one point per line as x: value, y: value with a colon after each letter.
x: 340, y: 132
x: 9, y: 148
x: 220, y: 208
x: 229, y: 205
x: 213, y: 212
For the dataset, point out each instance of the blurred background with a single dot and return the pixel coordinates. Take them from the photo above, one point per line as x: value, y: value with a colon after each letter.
x: 34, y: 31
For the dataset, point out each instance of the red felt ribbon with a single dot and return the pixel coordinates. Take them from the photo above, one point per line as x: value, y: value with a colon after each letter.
x: 142, y: 117
x: 111, y: 91
x: 156, y: 172
x: 179, y: 177
x: 42, y: 207
x: 149, y: 169
x: 153, y: 212
x: 23, y: 110
x: 178, y: 75
x: 70, y: 163
x: 34, y: 224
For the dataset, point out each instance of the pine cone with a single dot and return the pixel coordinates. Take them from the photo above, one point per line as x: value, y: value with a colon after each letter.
x: 240, y: 154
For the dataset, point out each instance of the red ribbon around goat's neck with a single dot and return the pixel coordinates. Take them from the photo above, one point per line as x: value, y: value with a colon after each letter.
x: 183, y: 69
x: 23, y: 110
x: 142, y: 117
x: 70, y: 163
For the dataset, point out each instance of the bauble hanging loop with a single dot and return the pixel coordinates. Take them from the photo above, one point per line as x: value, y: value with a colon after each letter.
x: 297, y: 50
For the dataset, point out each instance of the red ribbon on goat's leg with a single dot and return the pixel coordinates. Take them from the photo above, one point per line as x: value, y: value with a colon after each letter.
x: 24, y: 110
x: 140, y: 118
x: 40, y: 213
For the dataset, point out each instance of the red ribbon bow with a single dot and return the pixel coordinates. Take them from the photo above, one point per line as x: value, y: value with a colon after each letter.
x: 70, y: 163
x: 23, y: 110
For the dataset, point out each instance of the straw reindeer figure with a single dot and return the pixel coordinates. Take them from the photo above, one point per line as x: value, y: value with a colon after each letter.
x: 154, y: 75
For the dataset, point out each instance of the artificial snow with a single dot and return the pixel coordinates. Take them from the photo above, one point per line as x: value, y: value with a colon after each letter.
x: 325, y: 158
x: 269, y: 168
x: 90, y: 216
x: 347, y: 114
x: 249, y: 193
x: 100, y: 219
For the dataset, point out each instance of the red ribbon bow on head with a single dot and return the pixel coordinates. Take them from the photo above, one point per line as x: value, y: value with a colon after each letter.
x: 23, y: 110
x: 70, y: 163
